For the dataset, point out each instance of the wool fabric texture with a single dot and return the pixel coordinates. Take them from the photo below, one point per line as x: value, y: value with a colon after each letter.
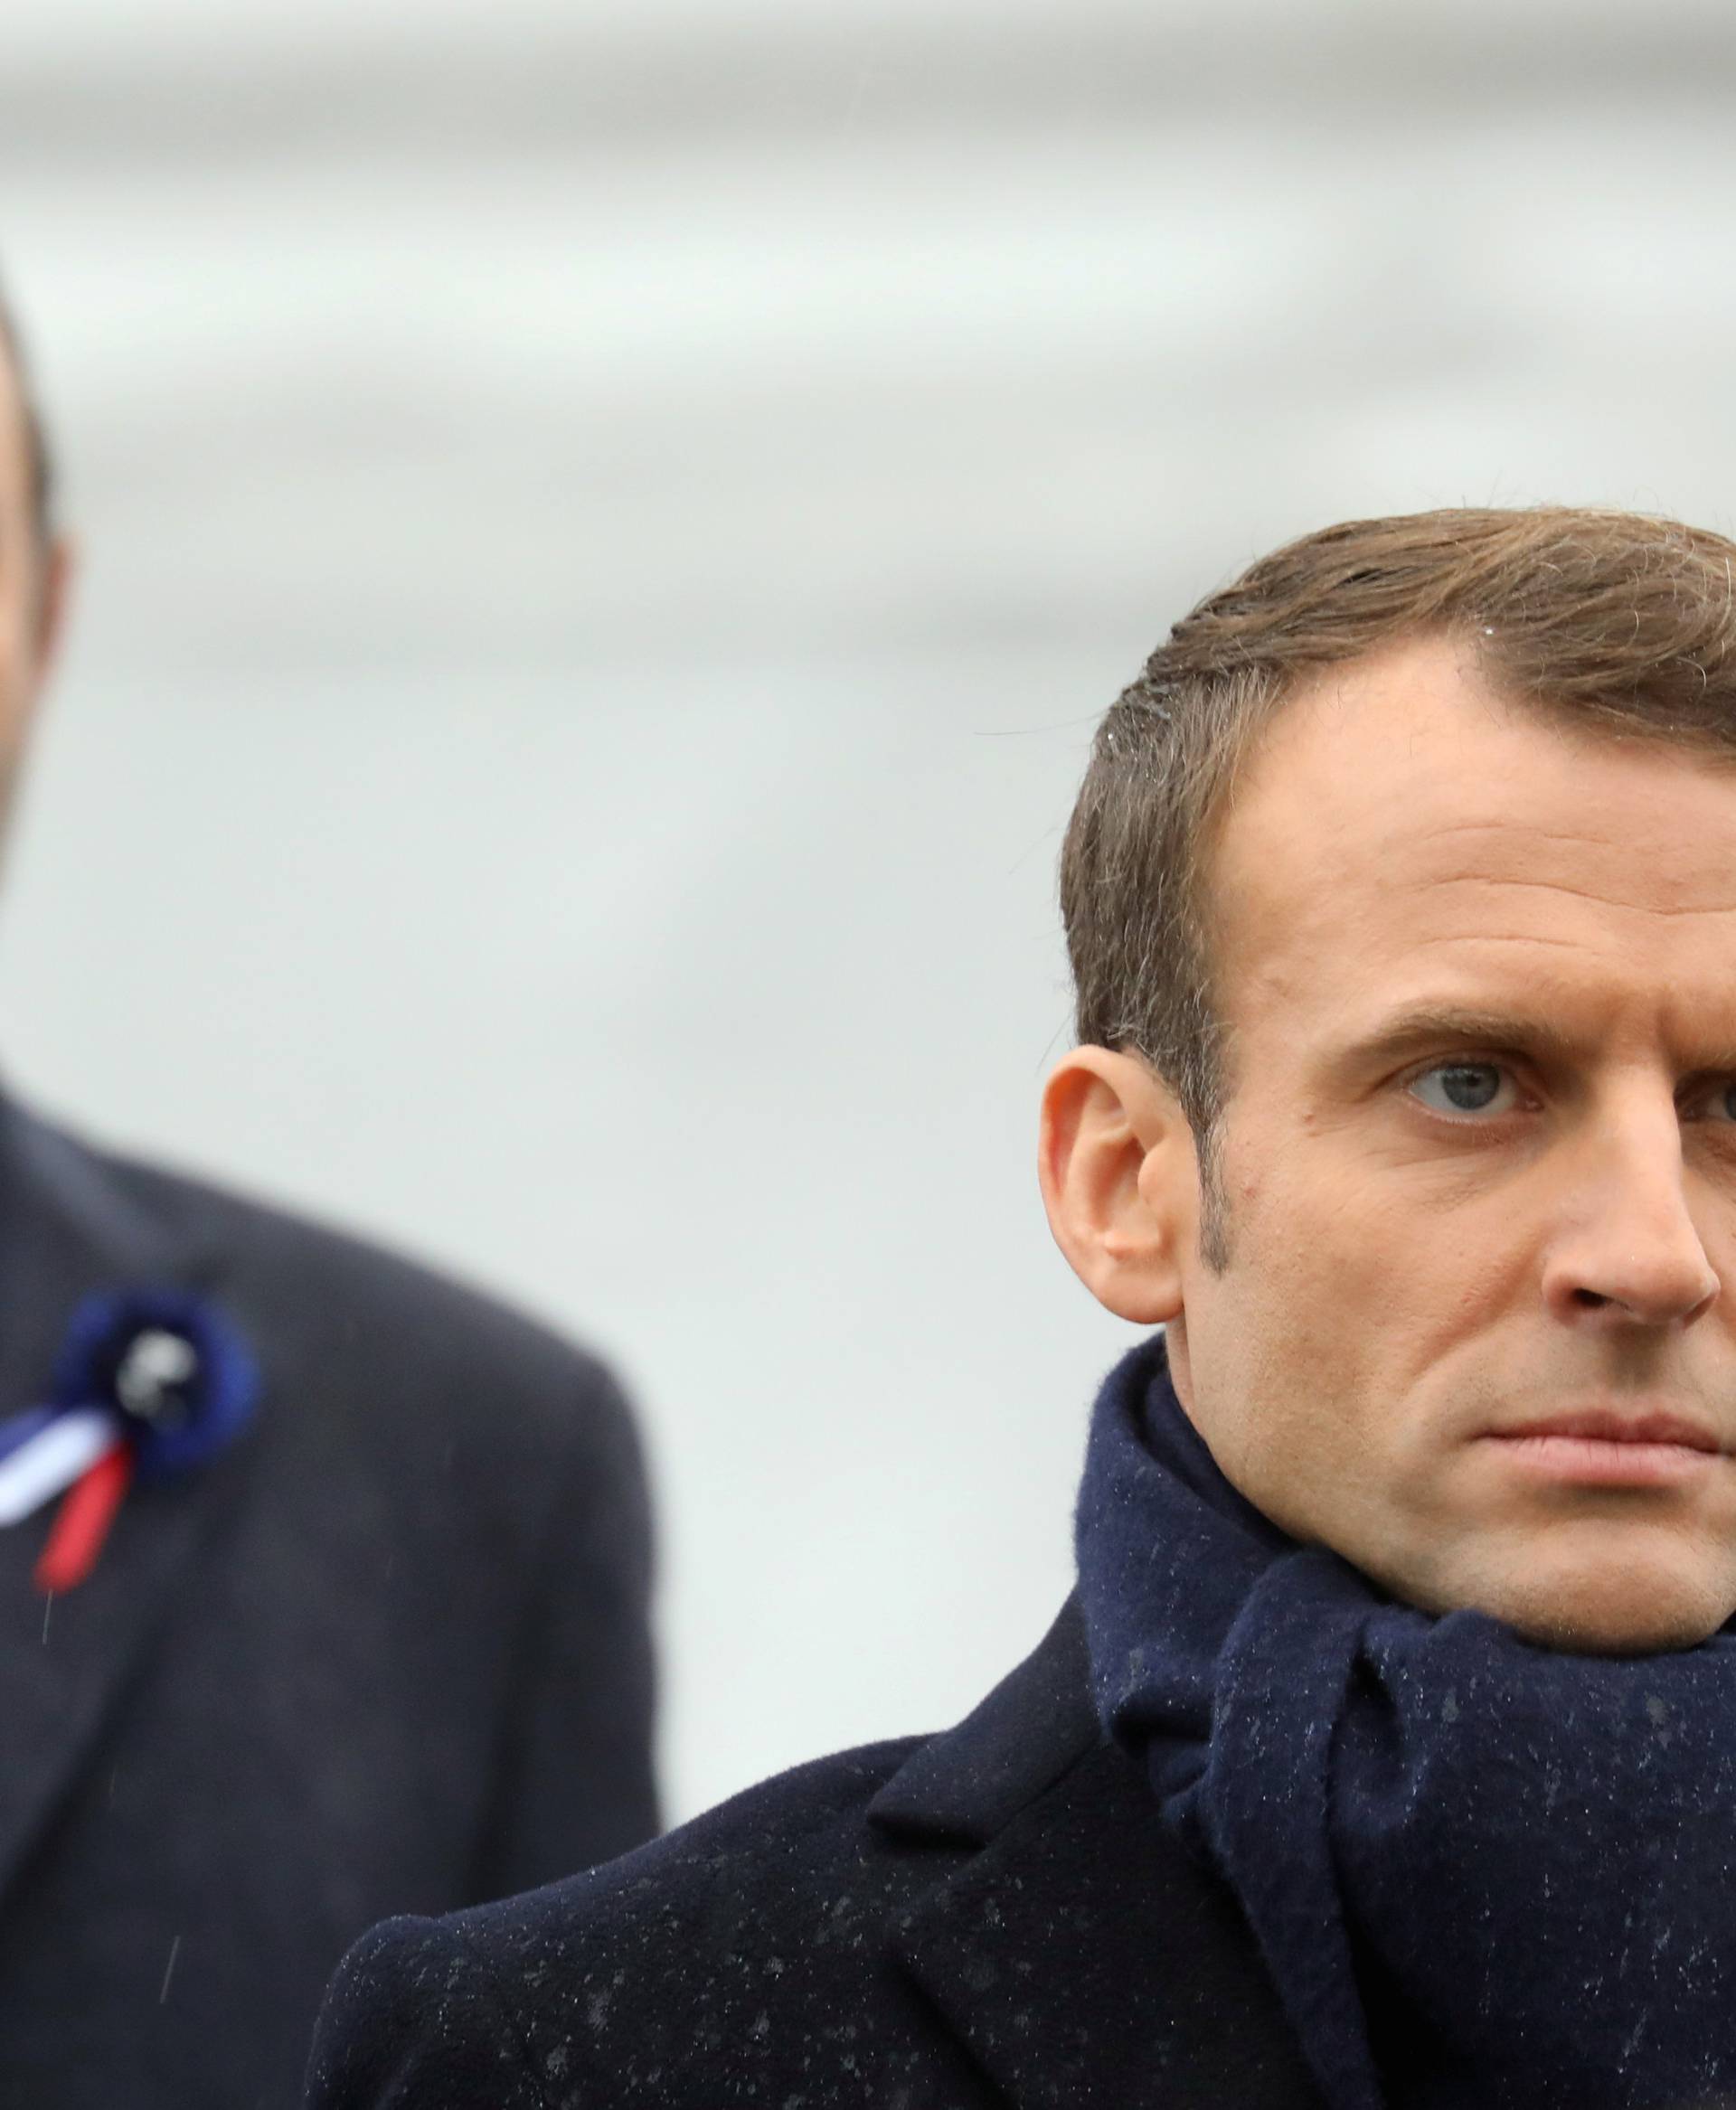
x: 1485, y: 1875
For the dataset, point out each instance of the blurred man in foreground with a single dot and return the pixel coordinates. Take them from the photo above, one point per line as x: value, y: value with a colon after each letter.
x: 1386, y: 1754
x: 323, y: 1583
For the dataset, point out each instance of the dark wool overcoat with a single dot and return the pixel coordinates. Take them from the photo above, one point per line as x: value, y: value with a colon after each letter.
x: 386, y: 1654
x: 993, y: 1916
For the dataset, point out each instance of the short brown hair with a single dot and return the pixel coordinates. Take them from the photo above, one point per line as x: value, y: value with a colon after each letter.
x: 1606, y: 619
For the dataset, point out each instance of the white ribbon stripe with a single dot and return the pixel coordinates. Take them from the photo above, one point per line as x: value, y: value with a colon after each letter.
x: 49, y: 1464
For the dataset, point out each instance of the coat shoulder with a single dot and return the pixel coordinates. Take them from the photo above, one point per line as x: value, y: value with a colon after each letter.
x: 688, y: 1973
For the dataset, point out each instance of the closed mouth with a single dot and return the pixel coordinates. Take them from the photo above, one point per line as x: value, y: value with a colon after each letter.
x: 1604, y: 1425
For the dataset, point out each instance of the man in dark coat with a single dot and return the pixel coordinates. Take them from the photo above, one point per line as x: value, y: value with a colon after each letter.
x: 383, y: 1647
x: 996, y: 1916
x: 1385, y: 1757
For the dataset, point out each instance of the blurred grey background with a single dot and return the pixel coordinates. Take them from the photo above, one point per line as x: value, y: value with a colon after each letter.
x: 607, y: 528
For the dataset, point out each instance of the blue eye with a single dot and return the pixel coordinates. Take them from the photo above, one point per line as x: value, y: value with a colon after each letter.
x: 1719, y: 1106
x: 1466, y: 1087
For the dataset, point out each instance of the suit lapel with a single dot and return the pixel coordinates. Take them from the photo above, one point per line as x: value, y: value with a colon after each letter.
x: 66, y: 1229
x: 1081, y: 1954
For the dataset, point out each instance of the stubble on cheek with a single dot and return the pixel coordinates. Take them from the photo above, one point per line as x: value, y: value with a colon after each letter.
x: 1317, y: 1382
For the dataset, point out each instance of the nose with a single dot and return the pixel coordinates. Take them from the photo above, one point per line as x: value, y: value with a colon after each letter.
x: 1629, y: 1252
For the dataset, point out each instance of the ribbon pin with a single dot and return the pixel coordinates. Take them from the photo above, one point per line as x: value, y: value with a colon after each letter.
x: 148, y: 1384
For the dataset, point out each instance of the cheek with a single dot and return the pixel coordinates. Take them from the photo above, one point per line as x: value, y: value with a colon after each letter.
x: 1324, y: 1330
x: 1312, y: 1247
x: 1333, y: 1244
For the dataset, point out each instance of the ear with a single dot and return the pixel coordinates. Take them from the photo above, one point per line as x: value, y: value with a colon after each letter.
x: 1121, y: 1182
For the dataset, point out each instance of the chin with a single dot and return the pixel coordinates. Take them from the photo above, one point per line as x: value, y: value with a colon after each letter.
x: 1617, y: 1606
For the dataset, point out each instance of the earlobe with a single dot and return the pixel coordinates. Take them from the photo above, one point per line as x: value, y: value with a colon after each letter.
x: 1112, y: 1144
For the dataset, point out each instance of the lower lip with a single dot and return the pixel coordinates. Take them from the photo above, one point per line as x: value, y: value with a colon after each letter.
x: 1589, y: 1461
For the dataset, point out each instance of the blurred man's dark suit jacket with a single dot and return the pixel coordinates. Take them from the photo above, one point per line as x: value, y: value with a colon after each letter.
x: 996, y: 1918
x: 388, y: 1652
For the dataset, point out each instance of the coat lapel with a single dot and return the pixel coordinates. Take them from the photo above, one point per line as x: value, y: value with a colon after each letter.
x: 67, y: 1229
x: 1082, y: 1955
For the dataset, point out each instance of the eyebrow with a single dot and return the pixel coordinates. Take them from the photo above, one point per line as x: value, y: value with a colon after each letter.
x: 1422, y: 1027
x: 1414, y: 1031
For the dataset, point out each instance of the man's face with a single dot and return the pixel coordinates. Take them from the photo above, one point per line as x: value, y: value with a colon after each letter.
x: 1474, y: 1331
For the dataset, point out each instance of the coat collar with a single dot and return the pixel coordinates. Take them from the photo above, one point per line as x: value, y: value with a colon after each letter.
x: 69, y: 1226
x: 1081, y: 1953
x: 968, y: 1785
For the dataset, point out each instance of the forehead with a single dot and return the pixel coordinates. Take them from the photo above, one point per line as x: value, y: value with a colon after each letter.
x: 1401, y: 825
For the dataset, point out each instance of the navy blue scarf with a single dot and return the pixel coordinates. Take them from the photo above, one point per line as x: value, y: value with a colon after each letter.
x: 1485, y: 1875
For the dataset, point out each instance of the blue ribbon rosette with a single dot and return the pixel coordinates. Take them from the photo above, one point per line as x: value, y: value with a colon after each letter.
x: 149, y: 1384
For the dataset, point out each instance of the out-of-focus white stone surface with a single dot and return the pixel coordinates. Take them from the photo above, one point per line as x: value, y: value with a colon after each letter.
x: 606, y: 530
